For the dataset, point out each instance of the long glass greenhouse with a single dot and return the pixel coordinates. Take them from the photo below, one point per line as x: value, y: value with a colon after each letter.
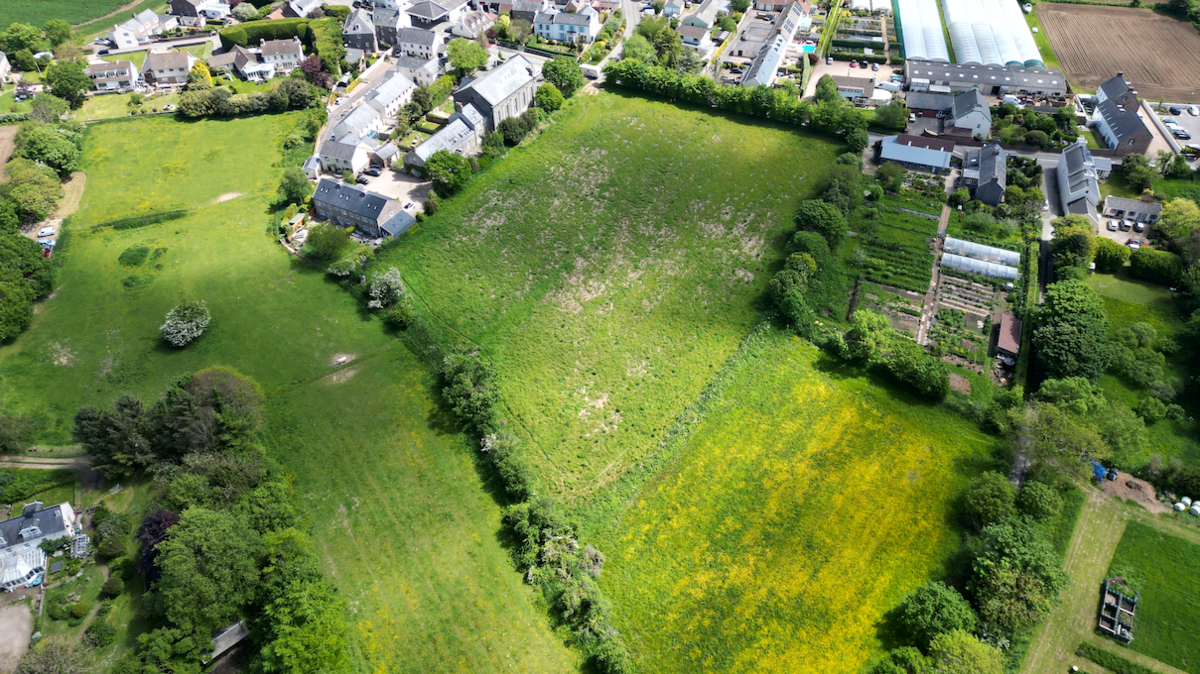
x: 979, y: 251
x: 973, y: 266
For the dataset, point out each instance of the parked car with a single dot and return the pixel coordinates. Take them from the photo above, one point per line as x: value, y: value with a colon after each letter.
x: 102, y: 52
x: 874, y: 66
x: 45, y: 231
x: 1133, y: 244
x: 1028, y: 7
x: 373, y: 171
x: 46, y: 252
x: 1139, y: 227
x: 1125, y: 226
x: 1046, y: 206
x: 361, y: 180
x: 1112, y: 225
x: 48, y: 243
x: 1193, y: 110
x: 1192, y: 148
x: 912, y: 117
x: 1175, y: 110
x: 339, y: 100
x: 409, y: 206
x: 1183, y: 135
x: 854, y: 64
x: 828, y: 60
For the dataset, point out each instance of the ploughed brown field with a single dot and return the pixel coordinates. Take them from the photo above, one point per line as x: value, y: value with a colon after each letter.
x: 1158, y: 54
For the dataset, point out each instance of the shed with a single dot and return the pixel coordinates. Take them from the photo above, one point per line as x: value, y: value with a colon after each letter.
x: 1009, y: 343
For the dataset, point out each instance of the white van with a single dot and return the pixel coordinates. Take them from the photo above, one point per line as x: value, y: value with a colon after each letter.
x: 888, y: 86
x: 1009, y: 98
x: 590, y: 71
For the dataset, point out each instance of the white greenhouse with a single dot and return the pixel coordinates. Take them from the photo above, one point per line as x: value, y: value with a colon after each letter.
x: 921, y: 30
x: 979, y: 251
x: 990, y: 33
x: 972, y: 266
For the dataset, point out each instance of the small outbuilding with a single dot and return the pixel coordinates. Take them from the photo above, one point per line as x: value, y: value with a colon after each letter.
x: 1009, y: 343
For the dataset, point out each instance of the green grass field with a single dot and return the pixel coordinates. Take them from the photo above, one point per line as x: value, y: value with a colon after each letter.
x: 109, y: 106
x: 1127, y: 301
x: 137, y: 58
x: 407, y: 528
x: 422, y: 554
x: 1166, y: 571
x: 160, y: 163
x: 38, y: 12
x: 609, y: 268
x: 807, y: 504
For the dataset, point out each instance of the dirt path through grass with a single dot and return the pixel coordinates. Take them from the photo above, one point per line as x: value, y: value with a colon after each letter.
x: 1097, y: 532
x: 8, y: 134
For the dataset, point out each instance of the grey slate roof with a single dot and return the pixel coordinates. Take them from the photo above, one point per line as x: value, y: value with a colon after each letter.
x: 1114, y: 87
x: 471, y: 116
x: 49, y: 521
x: 358, y: 201
x: 1132, y: 205
x: 388, y: 18
x: 527, y: 6
x: 396, y: 85
x: 992, y: 166
x: 333, y: 149
x: 448, y: 137
x: 282, y: 47
x: 1080, y: 167
x: 1124, y: 123
x: 425, y: 38
x: 168, y: 59
x: 414, y: 63
x: 562, y: 19
x: 359, y: 23
x: 917, y: 150
x: 496, y: 85
x: 1082, y: 206
x: 435, y: 10
x: 925, y: 101
x: 693, y: 32
x: 969, y: 101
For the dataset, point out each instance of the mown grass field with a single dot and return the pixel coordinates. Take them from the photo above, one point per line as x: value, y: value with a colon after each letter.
x: 408, y: 530
x: 160, y: 163
x: 38, y: 12
x: 1166, y: 571
x: 609, y: 269
x: 1128, y: 301
x: 806, y: 505
x: 429, y: 580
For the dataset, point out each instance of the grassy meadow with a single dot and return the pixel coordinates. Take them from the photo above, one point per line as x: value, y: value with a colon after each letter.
x: 38, y: 12
x: 406, y: 526
x: 806, y: 505
x: 398, y: 510
x: 1165, y: 569
x: 610, y: 268
x: 1128, y: 301
x: 161, y: 163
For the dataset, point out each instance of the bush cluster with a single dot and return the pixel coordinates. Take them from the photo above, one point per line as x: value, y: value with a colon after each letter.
x: 291, y: 94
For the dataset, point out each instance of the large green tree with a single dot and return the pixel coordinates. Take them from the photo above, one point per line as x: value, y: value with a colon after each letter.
x: 68, y: 81
x: 294, y: 187
x: 827, y: 91
x: 1016, y: 575
x: 1072, y: 339
x: 564, y: 73
x: 448, y: 171
x: 210, y: 572
x: 934, y: 609
x: 25, y: 275
x: 1178, y: 219
x: 44, y: 144
x: 22, y: 36
x: 57, y: 31
x: 991, y: 499
x: 1110, y: 255
x: 959, y: 652
x: 33, y: 190
x: 466, y: 56
x: 823, y: 218
x: 638, y: 47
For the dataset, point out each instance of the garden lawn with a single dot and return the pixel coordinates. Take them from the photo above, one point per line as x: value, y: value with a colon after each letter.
x: 142, y: 166
x: 38, y: 12
x: 609, y: 268
x: 406, y: 527
x: 1128, y: 301
x: 137, y: 58
x: 805, y: 506
x: 1166, y: 571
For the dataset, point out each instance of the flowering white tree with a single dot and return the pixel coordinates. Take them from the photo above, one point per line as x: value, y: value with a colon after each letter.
x: 185, y: 323
x: 386, y: 289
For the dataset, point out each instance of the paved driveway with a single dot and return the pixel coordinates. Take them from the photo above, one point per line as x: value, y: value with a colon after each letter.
x: 401, y: 186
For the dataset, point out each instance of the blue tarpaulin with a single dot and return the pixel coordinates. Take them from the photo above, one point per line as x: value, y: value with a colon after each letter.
x: 1098, y: 471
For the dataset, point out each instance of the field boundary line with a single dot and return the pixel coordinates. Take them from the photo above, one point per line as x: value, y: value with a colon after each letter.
x: 1129, y: 654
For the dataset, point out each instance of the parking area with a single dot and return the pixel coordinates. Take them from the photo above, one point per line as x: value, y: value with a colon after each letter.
x: 1120, y: 234
x: 1189, y: 122
x: 402, y: 187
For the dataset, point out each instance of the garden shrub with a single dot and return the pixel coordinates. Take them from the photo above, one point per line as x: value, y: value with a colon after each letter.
x: 80, y: 610
x: 58, y: 611
x: 1157, y: 266
x: 113, y: 587
x: 99, y: 634
x: 185, y: 323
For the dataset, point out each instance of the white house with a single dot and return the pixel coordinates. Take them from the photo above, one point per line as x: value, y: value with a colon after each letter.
x: 705, y: 17
x: 389, y: 97
x: 430, y: 13
x: 971, y: 112
x: 284, y: 55
x: 107, y: 76
x: 168, y: 68
x: 416, y: 42
x: 138, y: 30
x: 673, y: 8
x: 462, y: 135
x: 363, y: 122
x: 337, y: 156
x: 22, y: 562
x: 697, y: 38
x: 565, y: 27
x: 194, y: 13
x: 473, y: 24
x: 422, y: 71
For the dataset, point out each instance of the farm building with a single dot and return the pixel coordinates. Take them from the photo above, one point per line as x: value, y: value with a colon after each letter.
x: 857, y: 90
x: 921, y: 30
x: 924, y: 75
x: 990, y: 33
x: 928, y: 105
x: 917, y: 153
x: 985, y: 171
x: 1009, y: 343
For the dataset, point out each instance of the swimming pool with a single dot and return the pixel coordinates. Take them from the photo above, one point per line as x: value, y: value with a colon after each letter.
x: 808, y: 48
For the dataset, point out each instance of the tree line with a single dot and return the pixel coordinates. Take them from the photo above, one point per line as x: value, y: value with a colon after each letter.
x: 222, y: 539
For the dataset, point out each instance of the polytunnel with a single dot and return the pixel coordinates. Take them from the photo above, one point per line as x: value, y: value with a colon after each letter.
x: 981, y: 252
x: 972, y: 266
x: 921, y: 30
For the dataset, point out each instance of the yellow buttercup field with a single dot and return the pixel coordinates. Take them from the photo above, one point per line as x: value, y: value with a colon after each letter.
x: 804, y: 507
